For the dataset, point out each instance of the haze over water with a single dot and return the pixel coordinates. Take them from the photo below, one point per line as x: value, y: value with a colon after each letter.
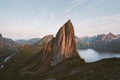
x: 91, y: 55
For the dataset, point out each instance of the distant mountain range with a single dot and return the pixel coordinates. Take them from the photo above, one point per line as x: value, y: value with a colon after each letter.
x: 101, y: 37
x: 103, y: 42
x: 108, y: 42
x: 30, y: 41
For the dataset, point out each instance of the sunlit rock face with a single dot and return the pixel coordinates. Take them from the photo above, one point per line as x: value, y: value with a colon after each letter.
x: 49, y: 51
x: 64, y: 45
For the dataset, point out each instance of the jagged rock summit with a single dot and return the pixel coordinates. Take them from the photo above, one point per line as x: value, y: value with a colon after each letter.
x: 48, y: 52
x: 64, y: 45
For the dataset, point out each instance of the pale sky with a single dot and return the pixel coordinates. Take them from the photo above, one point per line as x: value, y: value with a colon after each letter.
x: 25, y: 19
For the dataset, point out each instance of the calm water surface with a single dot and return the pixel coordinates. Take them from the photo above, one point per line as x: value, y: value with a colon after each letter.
x: 91, y: 55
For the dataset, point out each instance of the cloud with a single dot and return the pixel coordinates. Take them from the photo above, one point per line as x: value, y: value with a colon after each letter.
x: 102, y: 21
x: 34, y: 0
x: 100, y: 25
x: 100, y: 2
x: 52, y: 15
x: 75, y: 3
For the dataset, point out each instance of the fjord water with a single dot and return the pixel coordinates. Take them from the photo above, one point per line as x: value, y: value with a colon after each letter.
x: 91, y: 55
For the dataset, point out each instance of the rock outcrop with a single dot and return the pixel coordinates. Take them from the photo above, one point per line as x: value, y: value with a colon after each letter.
x: 64, y: 45
x: 54, y: 50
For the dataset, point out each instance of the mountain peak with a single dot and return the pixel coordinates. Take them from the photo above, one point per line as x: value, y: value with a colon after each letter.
x: 68, y: 24
x: 69, y: 21
x: 110, y: 36
x: 64, y: 45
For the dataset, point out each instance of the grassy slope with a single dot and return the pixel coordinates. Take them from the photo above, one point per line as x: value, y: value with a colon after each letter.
x: 72, y: 69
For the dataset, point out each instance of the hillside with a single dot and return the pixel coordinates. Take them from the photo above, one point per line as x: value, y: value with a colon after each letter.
x: 7, y: 47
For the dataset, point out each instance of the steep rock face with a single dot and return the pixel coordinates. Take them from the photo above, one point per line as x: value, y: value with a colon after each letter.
x: 64, y: 45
